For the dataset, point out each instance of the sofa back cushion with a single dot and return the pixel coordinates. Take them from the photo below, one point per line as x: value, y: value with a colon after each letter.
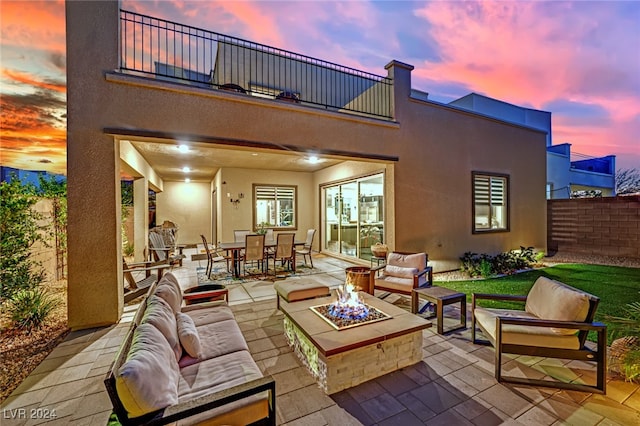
x: 169, y: 289
x: 159, y: 314
x: 148, y: 380
x: 552, y: 300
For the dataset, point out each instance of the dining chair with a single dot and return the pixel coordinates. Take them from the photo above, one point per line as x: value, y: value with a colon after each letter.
x: 213, y: 256
x: 239, y: 234
x: 306, y: 249
x: 254, y: 252
x: 284, y: 250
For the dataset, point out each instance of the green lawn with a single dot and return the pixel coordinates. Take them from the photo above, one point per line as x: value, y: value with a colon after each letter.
x: 614, y: 285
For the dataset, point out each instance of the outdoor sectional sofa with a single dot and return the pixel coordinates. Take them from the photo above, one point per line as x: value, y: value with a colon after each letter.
x: 187, y: 364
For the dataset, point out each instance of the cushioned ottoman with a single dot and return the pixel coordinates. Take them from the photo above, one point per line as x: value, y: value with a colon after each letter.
x: 292, y: 291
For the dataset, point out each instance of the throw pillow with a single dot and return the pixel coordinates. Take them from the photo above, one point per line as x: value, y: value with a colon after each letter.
x: 400, y: 272
x: 188, y: 333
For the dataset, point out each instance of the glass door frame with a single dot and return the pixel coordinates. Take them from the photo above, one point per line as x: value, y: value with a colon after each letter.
x: 337, y: 226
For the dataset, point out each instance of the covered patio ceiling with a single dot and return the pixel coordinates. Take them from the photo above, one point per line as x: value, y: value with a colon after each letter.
x: 205, y: 159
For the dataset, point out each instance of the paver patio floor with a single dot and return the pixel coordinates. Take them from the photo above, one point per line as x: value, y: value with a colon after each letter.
x: 453, y: 385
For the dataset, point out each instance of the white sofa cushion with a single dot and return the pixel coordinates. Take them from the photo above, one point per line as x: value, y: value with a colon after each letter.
x: 159, y: 314
x: 148, y: 380
x: 219, y: 338
x: 188, y: 335
x: 552, y: 300
x: 202, y: 314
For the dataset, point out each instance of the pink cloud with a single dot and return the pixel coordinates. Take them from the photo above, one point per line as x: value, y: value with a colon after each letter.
x: 531, y: 53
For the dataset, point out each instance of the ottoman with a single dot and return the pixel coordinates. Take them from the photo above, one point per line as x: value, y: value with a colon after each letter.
x: 292, y: 291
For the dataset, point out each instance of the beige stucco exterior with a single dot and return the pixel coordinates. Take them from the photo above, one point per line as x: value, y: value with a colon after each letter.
x: 428, y: 188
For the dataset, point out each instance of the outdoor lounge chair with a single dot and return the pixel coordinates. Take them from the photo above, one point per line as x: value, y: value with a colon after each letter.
x: 135, y: 288
x: 161, y: 252
x: 554, y: 324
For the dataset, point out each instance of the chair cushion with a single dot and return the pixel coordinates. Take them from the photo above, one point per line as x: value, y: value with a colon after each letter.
x: 188, y: 334
x: 415, y: 260
x: 159, y: 314
x: 148, y: 380
x: 522, y: 334
x: 400, y: 271
x: 552, y: 300
x: 394, y: 283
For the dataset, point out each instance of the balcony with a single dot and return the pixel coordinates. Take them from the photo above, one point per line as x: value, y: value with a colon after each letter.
x: 169, y: 51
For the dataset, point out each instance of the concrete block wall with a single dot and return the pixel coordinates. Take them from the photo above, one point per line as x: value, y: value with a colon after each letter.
x: 607, y: 226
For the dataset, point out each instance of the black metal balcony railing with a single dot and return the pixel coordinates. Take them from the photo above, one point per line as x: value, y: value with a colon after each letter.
x: 176, y: 52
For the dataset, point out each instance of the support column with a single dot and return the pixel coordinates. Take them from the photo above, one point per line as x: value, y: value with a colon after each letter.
x: 140, y: 217
x: 95, y: 287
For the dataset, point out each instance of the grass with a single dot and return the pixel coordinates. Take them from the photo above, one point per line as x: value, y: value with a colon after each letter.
x: 615, y: 286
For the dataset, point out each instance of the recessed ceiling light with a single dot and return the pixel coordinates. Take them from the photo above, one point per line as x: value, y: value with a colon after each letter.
x: 187, y: 180
x: 183, y: 148
x: 313, y: 159
x: 186, y: 169
x: 255, y: 154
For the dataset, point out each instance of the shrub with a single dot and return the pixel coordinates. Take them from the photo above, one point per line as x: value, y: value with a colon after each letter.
x: 503, y: 263
x: 30, y: 308
x: 624, y: 356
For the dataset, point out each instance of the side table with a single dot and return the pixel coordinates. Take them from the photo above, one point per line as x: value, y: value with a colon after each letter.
x: 441, y: 296
x: 378, y: 260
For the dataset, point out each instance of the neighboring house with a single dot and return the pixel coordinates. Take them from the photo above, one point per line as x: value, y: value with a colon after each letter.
x: 275, y: 137
x: 28, y: 176
x: 564, y: 176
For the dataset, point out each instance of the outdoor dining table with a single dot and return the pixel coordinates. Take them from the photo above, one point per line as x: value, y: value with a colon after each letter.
x: 236, y: 246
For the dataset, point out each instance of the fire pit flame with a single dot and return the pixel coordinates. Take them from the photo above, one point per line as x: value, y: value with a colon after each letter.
x: 349, y: 304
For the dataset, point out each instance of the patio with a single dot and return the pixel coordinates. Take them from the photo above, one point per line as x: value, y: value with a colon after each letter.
x: 453, y: 385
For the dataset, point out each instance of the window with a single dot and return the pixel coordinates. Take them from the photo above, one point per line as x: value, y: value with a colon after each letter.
x: 490, y: 202
x: 275, y: 206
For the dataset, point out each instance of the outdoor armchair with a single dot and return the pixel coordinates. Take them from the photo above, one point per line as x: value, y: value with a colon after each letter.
x: 402, y: 273
x: 554, y: 323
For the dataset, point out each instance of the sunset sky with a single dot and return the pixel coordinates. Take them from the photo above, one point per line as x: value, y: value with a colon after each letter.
x: 578, y: 60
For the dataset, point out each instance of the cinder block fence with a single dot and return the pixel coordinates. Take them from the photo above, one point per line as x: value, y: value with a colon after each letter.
x: 607, y: 226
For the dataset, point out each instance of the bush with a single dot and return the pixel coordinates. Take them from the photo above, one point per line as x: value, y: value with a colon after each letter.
x: 503, y: 263
x: 23, y: 277
x: 30, y: 308
x: 19, y: 230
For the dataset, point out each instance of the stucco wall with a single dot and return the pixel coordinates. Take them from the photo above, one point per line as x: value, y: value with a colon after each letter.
x: 188, y: 205
x: 437, y: 149
x: 242, y: 180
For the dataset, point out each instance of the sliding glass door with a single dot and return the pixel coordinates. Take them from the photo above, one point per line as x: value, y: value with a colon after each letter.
x: 353, y: 216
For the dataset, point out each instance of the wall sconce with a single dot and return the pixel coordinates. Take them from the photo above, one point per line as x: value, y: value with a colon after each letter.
x: 235, y: 201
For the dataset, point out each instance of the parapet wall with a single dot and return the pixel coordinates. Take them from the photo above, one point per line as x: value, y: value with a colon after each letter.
x: 608, y: 226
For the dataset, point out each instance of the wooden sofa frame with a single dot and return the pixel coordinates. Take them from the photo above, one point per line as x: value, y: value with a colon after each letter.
x: 582, y: 354
x: 188, y: 408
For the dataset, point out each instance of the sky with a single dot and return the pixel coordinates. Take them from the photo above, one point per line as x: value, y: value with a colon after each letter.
x: 579, y: 60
